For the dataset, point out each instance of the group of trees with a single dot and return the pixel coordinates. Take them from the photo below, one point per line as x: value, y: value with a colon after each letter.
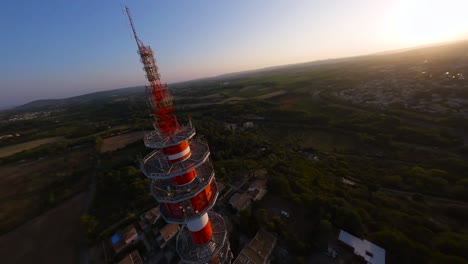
x: 434, y: 177
x: 400, y: 226
x: 235, y: 153
x: 121, y: 189
x: 404, y: 231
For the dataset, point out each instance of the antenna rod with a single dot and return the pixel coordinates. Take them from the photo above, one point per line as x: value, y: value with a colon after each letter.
x: 138, y: 41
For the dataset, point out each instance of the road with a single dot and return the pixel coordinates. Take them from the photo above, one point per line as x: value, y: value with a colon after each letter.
x: 428, y: 198
x: 90, y: 194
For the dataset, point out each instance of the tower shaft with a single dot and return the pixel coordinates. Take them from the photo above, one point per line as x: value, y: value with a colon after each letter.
x: 182, y: 175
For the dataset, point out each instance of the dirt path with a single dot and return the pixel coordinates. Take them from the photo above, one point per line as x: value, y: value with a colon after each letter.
x: 52, y: 237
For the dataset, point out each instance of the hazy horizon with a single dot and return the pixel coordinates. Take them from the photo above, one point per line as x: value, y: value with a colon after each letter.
x: 4, y: 107
x: 59, y: 50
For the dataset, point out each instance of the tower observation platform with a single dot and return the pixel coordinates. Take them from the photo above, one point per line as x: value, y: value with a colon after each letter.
x: 181, y: 173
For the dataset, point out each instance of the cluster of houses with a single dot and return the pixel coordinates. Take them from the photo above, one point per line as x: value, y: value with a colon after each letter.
x: 30, y: 116
x: 150, y: 234
x: 256, y: 191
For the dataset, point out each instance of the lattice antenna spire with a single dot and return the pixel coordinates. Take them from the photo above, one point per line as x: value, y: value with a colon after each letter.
x: 159, y: 95
x: 138, y: 41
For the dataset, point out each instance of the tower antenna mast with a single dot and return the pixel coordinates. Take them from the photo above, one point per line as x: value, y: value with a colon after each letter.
x: 181, y: 173
x: 138, y: 41
x: 160, y: 97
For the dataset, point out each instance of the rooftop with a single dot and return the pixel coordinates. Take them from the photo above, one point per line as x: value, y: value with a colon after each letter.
x: 258, y: 189
x: 348, y: 182
x: 152, y: 215
x: 221, y: 186
x: 240, y: 201
x: 372, y: 253
x: 132, y: 258
x: 258, y: 250
x: 123, y: 237
x: 169, y: 231
x: 258, y: 184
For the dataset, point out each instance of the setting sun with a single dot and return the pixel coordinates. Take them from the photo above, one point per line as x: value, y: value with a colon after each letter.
x: 416, y: 22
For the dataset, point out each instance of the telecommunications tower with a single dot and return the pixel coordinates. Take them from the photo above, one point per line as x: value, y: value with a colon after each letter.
x: 182, y: 175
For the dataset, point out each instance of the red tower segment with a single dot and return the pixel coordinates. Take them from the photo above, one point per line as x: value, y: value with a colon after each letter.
x: 178, y: 152
x: 200, y: 229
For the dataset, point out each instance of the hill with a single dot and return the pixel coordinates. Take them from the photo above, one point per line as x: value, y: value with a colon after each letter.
x: 52, y: 103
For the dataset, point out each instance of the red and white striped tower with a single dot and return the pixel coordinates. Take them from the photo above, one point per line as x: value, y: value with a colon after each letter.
x: 182, y: 174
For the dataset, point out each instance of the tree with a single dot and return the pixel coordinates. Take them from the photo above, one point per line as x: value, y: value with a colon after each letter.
x: 261, y: 216
x: 400, y: 248
x: 451, y: 243
x: 372, y: 188
x: 98, y: 144
x: 439, y: 258
x: 280, y: 185
x: 89, y: 223
x: 417, y: 197
x: 348, y: 219
x: 324, y: 232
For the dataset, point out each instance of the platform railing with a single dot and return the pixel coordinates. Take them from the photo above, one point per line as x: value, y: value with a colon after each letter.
x: 157, y: 140
x: 166, y: 191
x: 217, y: 246
x: 188, y: 212
x: 156, y: 166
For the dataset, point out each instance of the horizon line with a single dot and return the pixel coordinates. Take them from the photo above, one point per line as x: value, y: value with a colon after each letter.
x: 379, y: 53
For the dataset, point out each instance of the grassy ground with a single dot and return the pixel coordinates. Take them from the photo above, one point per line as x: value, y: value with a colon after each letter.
x: 53, y: 237
x: 28, y: 189
x: 10, y: 150
x: 120, y: 141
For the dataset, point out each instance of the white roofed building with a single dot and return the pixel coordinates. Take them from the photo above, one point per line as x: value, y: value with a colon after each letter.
x: 368, y: 251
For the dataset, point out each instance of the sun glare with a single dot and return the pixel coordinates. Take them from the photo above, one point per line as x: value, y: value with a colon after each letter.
x: 417, y: 22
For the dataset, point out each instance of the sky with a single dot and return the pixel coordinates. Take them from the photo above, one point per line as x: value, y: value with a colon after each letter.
x: 61, y: 48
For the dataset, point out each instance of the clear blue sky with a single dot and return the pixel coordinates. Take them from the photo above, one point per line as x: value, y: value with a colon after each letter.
x: 60, y: 48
